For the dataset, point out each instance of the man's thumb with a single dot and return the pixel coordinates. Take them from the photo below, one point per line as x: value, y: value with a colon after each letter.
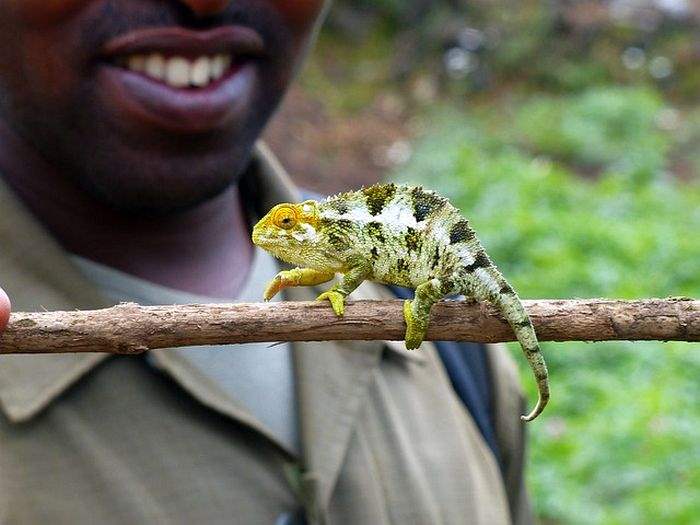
x: 4, y: 309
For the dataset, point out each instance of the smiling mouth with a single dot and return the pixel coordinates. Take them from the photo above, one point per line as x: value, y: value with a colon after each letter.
x: 181, y: 72
x: 182, y: 58
x: 180, y: 79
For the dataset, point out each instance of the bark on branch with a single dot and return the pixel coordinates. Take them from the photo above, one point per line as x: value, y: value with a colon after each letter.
x: 132, y: 329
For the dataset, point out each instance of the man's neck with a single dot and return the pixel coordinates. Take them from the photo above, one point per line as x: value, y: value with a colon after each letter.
x: 205, y: 250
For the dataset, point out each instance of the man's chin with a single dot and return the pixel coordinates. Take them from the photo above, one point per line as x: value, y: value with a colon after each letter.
x: 149, y: 197
x: 160, y: 182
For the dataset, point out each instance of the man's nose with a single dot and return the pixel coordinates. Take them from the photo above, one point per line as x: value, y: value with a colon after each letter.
x: 206, y: 7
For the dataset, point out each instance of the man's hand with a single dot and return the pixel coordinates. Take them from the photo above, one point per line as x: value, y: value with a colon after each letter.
x: 4, y: 309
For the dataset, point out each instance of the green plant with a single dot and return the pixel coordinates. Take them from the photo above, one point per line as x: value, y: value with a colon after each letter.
x: 611, y: 128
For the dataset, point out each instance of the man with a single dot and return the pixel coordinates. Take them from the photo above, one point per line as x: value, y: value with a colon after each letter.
x: 130, y: 170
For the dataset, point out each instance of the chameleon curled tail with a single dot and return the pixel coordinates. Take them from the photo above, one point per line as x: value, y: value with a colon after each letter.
x: 512, y: 309
x: 483, y: 283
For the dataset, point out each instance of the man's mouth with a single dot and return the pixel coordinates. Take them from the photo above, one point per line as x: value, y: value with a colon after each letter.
x: 180, y: 79
x: 181, y: 72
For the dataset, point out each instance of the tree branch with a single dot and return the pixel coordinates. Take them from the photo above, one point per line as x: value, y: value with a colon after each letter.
x: 132, y: 329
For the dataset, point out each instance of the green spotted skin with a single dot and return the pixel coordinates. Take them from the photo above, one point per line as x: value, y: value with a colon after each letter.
x: 412, y: 237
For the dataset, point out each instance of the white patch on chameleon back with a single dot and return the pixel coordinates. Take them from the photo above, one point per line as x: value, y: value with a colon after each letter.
x: 465, y: 254
x: 441, y: 235
x: 358, y: 214
x: 398, y: 214
x: 487, y: 279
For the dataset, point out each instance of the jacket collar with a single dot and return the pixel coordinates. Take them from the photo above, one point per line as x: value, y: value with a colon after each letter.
x: 37, y: 274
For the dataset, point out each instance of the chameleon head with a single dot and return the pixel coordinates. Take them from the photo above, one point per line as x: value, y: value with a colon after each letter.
x: 288, y: 231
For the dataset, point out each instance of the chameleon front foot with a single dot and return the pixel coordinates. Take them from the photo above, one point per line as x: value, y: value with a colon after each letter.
x: 287, y: 279
x: 336, y: 299
x: 415, y: 330
x: 295, y: 277
x: 280, y: 281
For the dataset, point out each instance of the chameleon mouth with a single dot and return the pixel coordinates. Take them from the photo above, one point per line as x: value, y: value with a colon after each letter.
x: 258, y: 237
x: 267, y: 243
x: 260, y: 240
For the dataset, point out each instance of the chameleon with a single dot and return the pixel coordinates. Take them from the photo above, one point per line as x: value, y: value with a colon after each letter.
x: 398, y: 235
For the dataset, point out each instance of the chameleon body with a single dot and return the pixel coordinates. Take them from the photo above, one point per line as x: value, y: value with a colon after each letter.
x: 400, y: 235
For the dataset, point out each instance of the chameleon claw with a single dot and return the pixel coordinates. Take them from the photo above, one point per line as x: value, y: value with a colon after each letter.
x: 284, y: 279
x: 269, y: 293
x: 415, y: 332
x: 273, y: 287
x: 336, y: 299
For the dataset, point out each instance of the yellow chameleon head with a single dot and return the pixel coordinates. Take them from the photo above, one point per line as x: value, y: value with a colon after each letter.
x: 288, y: 231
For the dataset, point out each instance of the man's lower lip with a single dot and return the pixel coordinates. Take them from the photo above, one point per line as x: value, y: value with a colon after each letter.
x: 157, y: 105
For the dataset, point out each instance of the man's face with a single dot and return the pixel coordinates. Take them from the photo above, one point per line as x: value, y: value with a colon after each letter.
x: 148, y: 104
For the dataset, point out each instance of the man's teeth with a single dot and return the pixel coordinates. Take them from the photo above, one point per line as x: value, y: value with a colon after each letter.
x: 181, y: 72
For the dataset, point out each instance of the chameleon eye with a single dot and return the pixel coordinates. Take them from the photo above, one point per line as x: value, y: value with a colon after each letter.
x: 285, y: 218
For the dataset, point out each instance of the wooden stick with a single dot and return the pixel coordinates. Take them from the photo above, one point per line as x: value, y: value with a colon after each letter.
x: 131, y: 329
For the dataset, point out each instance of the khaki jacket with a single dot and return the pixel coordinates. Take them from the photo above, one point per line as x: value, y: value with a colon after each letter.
x: 89, y: 438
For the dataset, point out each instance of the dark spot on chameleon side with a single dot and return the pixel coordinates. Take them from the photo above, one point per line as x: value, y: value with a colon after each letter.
x: 425, y: 203
x: 375, y: 230
x: 339, y: 206
x: 412, y: 240
x: 402, y: 265
x: 446, y: 287
x: 378, y: 196
x: 434, y: 263
x: 344, y: 224
x: 336, y: 231
x: 335, y: 239
x: 461, y: 232
x: 524, y: 323
x: 480, y: 261
x: 375, y: 253
x: 506, y: 289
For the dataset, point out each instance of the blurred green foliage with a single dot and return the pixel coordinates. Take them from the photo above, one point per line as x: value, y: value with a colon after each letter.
x: 603, y: 128
x: 554, y: 45
x: 620, y: 442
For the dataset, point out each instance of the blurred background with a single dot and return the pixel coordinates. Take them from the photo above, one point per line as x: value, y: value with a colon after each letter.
x: 569, y: 133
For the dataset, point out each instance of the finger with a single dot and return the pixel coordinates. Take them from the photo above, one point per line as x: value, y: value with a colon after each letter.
x: 4, y: 309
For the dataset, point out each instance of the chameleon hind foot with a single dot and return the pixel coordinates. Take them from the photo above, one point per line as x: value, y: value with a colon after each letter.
x: 415, y: 330
x: 336, y: 299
